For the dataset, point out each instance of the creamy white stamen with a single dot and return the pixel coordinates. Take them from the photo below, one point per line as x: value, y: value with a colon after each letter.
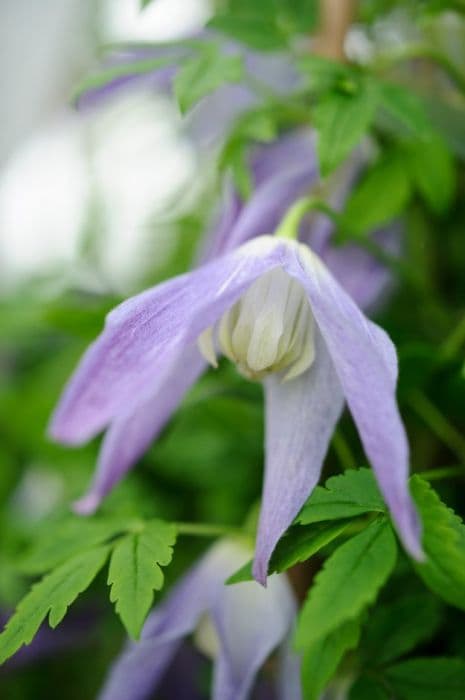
x: 270, y: 329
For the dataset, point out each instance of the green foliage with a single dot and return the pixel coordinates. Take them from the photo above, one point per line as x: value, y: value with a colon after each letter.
x: 407, y: 108
x: 444, y: 543
x: 353, y: 493
x: 63, y: 540
x: 425, y: 679
x: 366, y: 688
x: 396, y: 628
x: 342, y: 120
x: 349, y: 581
x: 135, y: 571
x: 366, y: 210
x: 322, y: 657
x: 52, y: 595
x: 266, y: 25
x: 433, y: 173
x: 199, y: 76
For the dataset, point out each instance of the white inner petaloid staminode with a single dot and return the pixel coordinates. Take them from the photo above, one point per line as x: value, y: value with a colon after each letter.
x: 270, y: 329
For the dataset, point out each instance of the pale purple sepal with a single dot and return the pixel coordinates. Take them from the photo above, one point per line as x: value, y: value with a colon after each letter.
x: 146, y: 334
x: 250, y: 622
x: 131, y: 434
x: 364, y: 359
x: 300, y: 418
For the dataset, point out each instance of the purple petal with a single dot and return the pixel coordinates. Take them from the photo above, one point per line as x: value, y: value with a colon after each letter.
x: 300, y: 419
x: 251, y: 622
x: 262, y: 214
x: 289, y: 683
x: 130, y: 435
x: 139, y: 670
x: 144, y: 336
x: 141, y: 666
x: 363, y: 357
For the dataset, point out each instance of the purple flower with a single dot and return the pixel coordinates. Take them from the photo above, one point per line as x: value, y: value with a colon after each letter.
x: 239, y: 626
x: 275, y: 309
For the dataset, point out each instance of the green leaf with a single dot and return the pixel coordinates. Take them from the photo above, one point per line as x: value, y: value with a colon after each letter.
x: 395, y: 629
x: 53, y: 594
x: 322, y: 73
x: 135, y: 572
x: 402, y: 104
x: 366, y: 688
x: 67, y: 539
x: 381, y: 195
x: 258, y: 32
x: 342, y: 120
x: 296, y: 546
x: 432, y: 170
x: 343, y: 496
x: 205, y: 73
x: 104, y: 77
x: 322, y: 658
x: 302, y: 543
x: 349, y: 581
x: 428, y: 678
x: 444, y: 545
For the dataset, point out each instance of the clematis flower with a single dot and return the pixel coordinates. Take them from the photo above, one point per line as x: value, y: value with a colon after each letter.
x: 238, y: 626
x: 276, y: 311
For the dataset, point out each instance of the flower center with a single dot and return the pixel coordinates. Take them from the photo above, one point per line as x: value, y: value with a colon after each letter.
x: 270, y: 329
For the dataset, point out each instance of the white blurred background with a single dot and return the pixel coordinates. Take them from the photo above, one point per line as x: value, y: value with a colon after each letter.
x: 115, y: 169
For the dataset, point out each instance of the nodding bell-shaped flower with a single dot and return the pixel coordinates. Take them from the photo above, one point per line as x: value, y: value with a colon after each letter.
x: 237, y: 626
x: 320, y: 352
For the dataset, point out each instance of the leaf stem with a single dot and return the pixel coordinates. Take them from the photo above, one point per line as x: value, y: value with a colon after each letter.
x: 443, y: 473
x: 207, y: 530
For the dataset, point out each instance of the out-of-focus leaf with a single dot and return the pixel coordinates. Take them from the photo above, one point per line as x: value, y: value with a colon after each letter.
x: 366, y: 688
x: 396, y: 628
x: 402, y: 104
x: 321, y: 658
x: 380, y: 196
x: 205, y: 73
x: 432, y: 170
x: 135, y: 571
x: 259, y: 33
x: 349, y: 581
x: 341, y: 121
x: 53, y: 594
x: 343, y: 496
x: 428, y: 679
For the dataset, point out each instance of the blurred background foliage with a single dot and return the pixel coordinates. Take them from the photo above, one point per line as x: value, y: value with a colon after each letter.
x: 96, y: 206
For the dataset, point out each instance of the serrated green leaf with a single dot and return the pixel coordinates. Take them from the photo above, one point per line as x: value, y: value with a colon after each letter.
x: 205, y: 73
x: 68, y: 538
x: 349, y: 581
x: 428, y: 678
x: 344, y: 496
x: 444, y: 544
x: 432, y: 170
x: 402, y: 104
x: 135, y: 572
x: 341, y: 121
x: 395, y: 629
x: 53, y: 595
x: 381, y: 195
x: 322, y: 658
x: 322, y: 73
x: 366, y: 688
